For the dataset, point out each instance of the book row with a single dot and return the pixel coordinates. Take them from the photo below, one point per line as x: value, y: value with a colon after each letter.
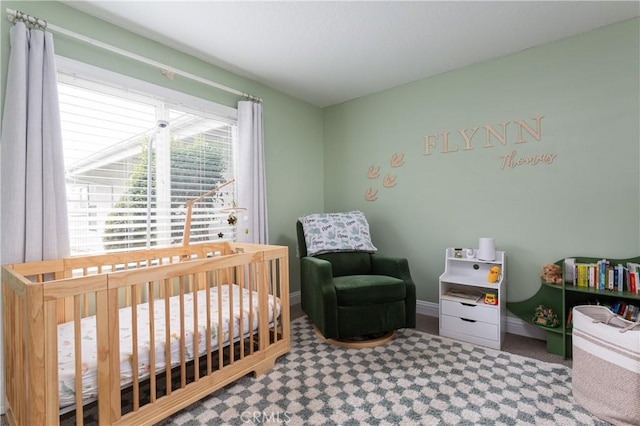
x: 628, y: 311
x: 602, y: 275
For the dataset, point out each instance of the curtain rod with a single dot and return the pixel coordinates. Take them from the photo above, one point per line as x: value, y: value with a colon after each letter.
x: 168, y: 71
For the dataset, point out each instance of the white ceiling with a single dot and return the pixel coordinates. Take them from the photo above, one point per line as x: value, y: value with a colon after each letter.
x: 330, y: 52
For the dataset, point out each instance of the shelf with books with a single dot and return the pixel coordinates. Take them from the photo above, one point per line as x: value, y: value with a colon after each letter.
x: 561, y: 298
x: 607, y: 293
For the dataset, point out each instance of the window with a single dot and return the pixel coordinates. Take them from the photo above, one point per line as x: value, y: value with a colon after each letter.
x: 113, y: 128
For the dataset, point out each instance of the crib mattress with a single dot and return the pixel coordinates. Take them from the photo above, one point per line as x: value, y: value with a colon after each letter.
x: 230, y: 294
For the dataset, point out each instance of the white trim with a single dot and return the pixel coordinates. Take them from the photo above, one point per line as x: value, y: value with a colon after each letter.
x: 89, y: 72
x: 514, y: 325
x: 167, y: 70
x: 430, y: 309
x: 522, y: 328
x: 294, y: 298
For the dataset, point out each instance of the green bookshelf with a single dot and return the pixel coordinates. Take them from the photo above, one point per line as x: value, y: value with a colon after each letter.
x: 562, y: 298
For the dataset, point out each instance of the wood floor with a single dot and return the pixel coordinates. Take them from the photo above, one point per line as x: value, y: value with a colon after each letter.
x: 513, y: 343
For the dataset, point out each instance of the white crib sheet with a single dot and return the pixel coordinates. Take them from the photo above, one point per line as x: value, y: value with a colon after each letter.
x: 66, y: 358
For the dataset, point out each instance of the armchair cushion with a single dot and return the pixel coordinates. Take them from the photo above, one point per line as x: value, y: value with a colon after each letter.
x: 356, y: 290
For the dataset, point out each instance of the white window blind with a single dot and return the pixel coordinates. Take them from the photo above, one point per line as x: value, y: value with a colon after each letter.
x: 108, y: 132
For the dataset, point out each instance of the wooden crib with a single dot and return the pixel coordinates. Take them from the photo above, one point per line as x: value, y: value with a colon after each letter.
x: 147, y: 332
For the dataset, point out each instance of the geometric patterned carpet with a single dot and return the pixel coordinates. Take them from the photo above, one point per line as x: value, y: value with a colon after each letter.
x: 417, y: 379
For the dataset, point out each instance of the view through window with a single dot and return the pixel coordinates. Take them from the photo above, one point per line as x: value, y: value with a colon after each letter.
x: 133, y: 159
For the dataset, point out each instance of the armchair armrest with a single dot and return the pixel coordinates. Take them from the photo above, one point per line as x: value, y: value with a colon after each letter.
x: 398, y: 267
x: 319, y: 299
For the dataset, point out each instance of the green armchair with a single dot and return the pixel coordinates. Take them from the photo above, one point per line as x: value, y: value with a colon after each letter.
x: 351, y: 294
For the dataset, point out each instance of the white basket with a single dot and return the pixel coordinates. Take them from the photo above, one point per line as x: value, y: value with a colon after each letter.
x: 606, y: 364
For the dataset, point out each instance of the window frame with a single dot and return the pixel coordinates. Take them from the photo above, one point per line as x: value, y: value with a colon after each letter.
x: 136, y: 87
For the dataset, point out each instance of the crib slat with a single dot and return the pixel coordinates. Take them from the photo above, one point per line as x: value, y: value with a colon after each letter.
x: 77, y: 344
x: 196, y: 334
x: 152, y: 342
x: 167, y: 337
x: 242, y: 285
x: 231, y: 330
x: 102, y: 328
x: 35, y: 356
x: 208, y: 325
x: 251, y: 286
x: 283, y: 274
x: 135, y: 362
x: 183, y: 364
x: 263, y: 306
x: 219, y: 331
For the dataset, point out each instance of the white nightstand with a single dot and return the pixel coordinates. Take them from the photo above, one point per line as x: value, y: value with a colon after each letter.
x: 463, y: 313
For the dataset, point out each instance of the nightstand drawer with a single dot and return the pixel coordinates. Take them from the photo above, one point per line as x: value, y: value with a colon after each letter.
x: 470, y: 327
x: 484, y: 313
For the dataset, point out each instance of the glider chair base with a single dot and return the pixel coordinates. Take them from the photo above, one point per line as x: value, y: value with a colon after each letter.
x: 359, y: 342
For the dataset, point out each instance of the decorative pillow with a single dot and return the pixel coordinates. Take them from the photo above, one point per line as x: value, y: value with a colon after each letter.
x: 336, y: 232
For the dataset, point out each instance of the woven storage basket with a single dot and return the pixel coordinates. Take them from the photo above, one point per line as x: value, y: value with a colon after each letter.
x: 606, y: 365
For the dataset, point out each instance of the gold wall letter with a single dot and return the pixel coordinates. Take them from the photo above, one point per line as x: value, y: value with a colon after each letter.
x: 502, y: 138
x: 445, y: 144
x: 428, y: 143
x: 467, y: 139
x: 522, y: 125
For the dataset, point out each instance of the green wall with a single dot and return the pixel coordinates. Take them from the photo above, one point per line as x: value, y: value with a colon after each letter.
x: 586, y: 201
x: 293, y: 129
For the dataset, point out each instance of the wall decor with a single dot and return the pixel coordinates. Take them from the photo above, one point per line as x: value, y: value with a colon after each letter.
x: 389, y: 181
x: 447, y: 146
x: 397, y: 160
x: 517, y: 132
x: 512, y: 160
x: 463, y: 140
x: 371, y: 194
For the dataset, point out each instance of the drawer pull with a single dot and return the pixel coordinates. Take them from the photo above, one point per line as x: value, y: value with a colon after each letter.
x: 467, y: 320
x: 468, y: 304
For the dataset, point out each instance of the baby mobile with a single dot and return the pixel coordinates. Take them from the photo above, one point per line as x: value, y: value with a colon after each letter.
x: 231, y: 219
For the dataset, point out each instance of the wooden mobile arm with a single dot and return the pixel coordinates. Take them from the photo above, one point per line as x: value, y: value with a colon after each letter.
x: 186, y: 233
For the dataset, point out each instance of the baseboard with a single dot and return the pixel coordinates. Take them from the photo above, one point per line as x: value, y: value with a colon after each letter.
x: 514, y: 325
x: 294, y: 298
x: 429, y: 309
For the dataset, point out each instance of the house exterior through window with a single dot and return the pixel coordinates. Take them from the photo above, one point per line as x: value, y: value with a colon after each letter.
x: 134, y: 154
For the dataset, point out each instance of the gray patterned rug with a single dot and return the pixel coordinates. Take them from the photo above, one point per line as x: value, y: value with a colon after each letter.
x: 417, y: 379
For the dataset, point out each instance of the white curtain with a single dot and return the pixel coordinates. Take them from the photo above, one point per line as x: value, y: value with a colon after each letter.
x: 34, y: 203
x: 251, y: 184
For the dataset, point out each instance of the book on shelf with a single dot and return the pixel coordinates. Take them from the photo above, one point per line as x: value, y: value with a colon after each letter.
x: 602, y: 275
x: 634, y: 277
x: 610, y: 278
x: 569, y: 319
x: 464, y: 295
x: 633, y: 282
x: 570, y: 270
